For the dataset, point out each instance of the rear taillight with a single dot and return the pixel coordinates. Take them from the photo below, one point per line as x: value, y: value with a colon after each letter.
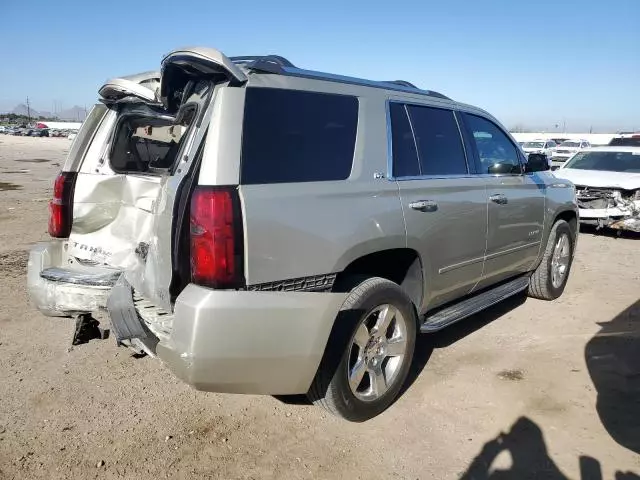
x: 216, y: 237
x: 61, y: 206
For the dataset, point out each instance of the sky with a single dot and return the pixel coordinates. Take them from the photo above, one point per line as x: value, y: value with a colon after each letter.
x: 530, y: 64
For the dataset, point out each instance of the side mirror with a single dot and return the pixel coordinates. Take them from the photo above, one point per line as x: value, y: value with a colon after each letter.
x: 503, y: 169
x: 536, y: 162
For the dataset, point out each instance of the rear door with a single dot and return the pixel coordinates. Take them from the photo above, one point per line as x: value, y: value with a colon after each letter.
x: 516, y: 201
x: 445, y: 206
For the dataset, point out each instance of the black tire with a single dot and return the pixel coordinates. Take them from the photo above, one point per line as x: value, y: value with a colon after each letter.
x: 541, y: 285
x: 330, y: 388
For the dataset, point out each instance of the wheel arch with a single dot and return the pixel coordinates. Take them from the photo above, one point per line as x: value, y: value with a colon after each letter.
x: 400, y: 265
x: 568, y: 215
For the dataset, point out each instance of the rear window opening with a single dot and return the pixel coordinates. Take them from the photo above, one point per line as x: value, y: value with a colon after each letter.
x: 145, y: 144
x: 148, y: 143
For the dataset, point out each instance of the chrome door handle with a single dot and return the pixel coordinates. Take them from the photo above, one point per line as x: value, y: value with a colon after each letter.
x: 499, y: 199
x: 424, y: 205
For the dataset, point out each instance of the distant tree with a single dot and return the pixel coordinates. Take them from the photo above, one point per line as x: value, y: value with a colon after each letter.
x: 519, y: 128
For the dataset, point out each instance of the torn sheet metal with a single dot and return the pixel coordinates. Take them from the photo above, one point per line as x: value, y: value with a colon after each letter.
x: 117, y: 220
x: 152, y: 277
x: 124, y: 318
x: 111, y: 216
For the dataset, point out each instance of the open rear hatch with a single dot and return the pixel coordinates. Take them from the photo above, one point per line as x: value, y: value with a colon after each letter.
x: 69, y: 276
x: 132, y: 185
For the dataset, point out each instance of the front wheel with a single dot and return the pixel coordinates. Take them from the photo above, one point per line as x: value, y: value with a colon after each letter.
x: 550, y: 278
x: 369, y: 353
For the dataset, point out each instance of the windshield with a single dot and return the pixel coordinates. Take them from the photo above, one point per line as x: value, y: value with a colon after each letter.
x: 570, y: 144
x: 533, y: 145
x: 606, y: 161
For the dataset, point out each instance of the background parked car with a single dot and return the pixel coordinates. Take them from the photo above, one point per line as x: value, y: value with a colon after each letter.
x: 37, y: 132
x: 544, y: 147
x: 626, y: 140
x: 566, y: 150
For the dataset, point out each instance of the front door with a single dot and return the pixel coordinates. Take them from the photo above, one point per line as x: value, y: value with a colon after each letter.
x: 445, y: 207
x: 516, y: 202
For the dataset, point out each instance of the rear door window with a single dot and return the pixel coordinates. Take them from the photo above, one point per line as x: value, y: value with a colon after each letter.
x: 297, y: 136
x: 144, y: 144
x: 440, y: 148
x: 403, y: 146
x: 147, y: 140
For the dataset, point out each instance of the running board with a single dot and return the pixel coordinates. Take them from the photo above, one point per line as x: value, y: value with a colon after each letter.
x: 475, y: 304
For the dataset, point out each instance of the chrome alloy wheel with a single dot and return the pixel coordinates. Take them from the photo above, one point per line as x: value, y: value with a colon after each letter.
x: 377, y: 352
x: 560, y: 260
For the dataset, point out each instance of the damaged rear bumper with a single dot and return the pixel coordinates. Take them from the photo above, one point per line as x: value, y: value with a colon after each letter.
x: 249, y: 342
x: 253, y: 342
x: 58, y: 291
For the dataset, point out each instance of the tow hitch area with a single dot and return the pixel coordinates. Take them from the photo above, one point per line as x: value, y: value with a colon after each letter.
x: 88, y: 328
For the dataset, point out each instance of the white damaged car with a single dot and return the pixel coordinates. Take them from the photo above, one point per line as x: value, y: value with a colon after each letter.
x: 607, y: 181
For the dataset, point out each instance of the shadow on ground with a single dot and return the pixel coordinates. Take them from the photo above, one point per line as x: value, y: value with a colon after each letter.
x: 613, y: 361
x: 427, y: 343
x: 609, y: 232
x: 525, y: 444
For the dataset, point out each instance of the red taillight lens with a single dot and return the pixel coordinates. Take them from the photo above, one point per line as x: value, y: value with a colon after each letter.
x: 61, y: 206
x: 216, y: 238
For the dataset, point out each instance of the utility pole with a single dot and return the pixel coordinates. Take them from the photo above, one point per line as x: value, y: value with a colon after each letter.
x: 28, y: 110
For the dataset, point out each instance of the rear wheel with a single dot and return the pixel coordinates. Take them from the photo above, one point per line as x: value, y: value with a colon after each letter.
x: 550, y: 278
x: 369, y: 353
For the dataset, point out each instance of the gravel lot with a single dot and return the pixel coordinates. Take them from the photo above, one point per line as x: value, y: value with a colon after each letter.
x: 533, y: 389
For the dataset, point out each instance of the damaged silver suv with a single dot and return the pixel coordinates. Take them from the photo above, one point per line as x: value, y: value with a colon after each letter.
x: 265, y: 229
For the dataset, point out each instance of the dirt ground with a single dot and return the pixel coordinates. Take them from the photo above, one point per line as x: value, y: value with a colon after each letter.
x: 528, y: 389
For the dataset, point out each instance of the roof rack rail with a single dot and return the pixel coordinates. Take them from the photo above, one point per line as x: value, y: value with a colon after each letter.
x: 269, y: 63
x: 433, y: 93
x: 402, y: 83
x: 281, y: 66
